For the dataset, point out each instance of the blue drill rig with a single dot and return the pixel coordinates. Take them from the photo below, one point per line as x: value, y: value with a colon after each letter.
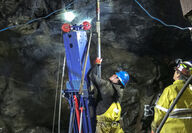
x: 78, y: 64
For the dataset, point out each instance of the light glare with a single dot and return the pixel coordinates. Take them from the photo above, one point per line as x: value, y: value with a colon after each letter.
x: 69, y: 16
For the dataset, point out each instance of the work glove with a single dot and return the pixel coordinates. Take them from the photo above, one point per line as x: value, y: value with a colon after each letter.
x: 98, y: 60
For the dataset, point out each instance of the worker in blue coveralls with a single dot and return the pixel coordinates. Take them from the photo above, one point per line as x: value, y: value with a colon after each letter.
x: 110, y: 93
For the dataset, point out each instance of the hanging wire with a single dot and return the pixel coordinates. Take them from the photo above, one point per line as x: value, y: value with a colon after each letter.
x: 167, y: 25
x: 60, y: 92
x: 31, y: 21
x: 55, y: 106
x: 61, y: 88
x: 57, y: 87
x: 36, y: 19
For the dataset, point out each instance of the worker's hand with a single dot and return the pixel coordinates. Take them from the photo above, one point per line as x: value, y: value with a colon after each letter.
x: 98, y: 60
x: 152, y: 131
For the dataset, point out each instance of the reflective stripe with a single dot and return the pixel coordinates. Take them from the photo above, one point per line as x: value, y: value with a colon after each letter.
x: 180, y: 117
x: 190, y: 87
x: 161, y: 108
x: 174, y: 110
x: 181, y: 109
x: 181, y: 113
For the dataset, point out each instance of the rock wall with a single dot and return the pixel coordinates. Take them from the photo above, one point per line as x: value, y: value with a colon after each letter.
x: 131, y: 40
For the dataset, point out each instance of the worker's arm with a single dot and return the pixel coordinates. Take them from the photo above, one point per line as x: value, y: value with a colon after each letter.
x: 161, y: 108
x: 93, y: 73
x: 95, y: 78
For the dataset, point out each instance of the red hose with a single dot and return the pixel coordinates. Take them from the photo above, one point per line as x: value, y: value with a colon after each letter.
x: 77, y: 110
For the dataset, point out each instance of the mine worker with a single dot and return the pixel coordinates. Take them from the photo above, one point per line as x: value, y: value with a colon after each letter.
x: 110, y: 92
x: 180, y: 119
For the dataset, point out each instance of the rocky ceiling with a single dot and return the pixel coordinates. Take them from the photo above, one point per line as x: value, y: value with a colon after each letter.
x: 30, y: 53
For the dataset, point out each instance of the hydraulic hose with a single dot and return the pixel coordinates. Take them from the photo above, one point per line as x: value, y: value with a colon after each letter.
x: 85, y: 63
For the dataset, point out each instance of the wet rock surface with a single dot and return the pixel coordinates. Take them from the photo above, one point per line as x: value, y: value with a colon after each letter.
x: 131, y: 41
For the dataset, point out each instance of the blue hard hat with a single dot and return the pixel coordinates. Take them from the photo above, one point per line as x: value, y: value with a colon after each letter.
x: 123, y: 77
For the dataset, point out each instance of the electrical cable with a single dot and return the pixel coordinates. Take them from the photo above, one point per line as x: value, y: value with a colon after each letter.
x: 167, y: 25
x: 36, y: 19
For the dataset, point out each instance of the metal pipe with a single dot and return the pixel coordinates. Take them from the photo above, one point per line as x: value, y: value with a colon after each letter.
x: 56, y: 93
x: 98, y: 35
x: 81, y: 119
x: 62, y: 80
x: 72, y: 116
x: 173, y: 104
